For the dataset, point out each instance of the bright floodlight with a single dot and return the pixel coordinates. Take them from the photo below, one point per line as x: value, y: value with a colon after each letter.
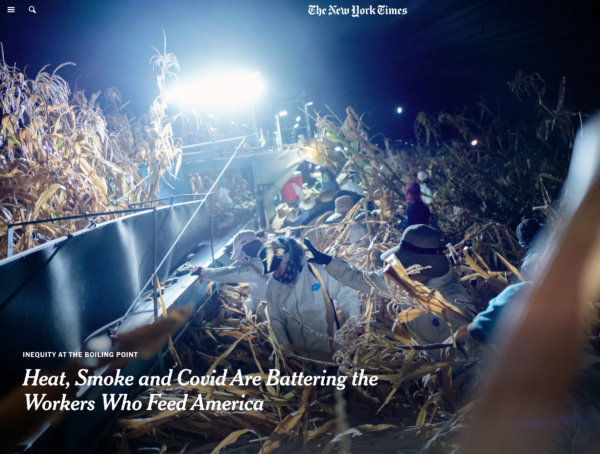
x: 221, y: 90
x: 296, y: 125
x: 473, y: 142
x: 283, y: 113
x: 309, y: 103
x: 399, y: 109
x: 297, y: 118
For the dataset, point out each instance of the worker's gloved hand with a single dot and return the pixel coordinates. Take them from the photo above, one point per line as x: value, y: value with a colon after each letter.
x: 197, y: 271
x: 319, y: 257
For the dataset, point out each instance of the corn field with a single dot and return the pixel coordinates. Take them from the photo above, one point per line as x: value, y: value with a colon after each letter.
x: 61, y: 155
x: 485, y: 173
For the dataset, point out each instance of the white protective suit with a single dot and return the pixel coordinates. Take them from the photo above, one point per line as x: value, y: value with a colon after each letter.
x: 425, y: 325
x: 247, y: 272
x: 304, y: 300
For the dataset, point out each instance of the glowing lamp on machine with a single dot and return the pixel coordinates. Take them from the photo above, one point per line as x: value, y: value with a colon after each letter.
x: 219, y: 90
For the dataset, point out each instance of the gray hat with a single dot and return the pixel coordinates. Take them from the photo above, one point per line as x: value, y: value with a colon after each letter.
x: 343, y: 205
x: 421, y: 245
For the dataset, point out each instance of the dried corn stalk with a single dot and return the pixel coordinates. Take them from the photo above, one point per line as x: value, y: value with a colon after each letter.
x: 60, y: 155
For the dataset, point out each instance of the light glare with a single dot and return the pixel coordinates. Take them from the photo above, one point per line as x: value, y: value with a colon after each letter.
x: 474, y: 142
x: 283, y: 113
x: 399, y: 109
x: 223, y: 90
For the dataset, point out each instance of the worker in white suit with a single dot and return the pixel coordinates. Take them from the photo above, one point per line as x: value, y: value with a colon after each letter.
x: 420, y: 245
x: 246, y: 268
x: 302, y: 295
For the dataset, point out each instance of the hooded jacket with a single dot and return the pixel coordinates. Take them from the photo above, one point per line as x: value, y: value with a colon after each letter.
x: 430, y: 328
x: 416, y: 213
x: 304, y: 300
x: 248, y: 272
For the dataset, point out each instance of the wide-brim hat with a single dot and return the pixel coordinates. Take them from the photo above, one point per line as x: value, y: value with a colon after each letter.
x: 277, y: 222
x: 282, y: 212
x: 343, y: 205
x: 322, y: 218
x: 327, y: 196
x: 421, y: 245
x: 335, y: 217
x: 283, y: 209
x: 308, y: 202
x: 240, y: 240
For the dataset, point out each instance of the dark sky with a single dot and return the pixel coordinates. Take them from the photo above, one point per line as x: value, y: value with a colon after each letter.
x: 440, y: 55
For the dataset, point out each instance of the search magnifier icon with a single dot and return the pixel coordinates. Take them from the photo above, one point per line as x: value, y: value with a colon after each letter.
x: 32, y: 9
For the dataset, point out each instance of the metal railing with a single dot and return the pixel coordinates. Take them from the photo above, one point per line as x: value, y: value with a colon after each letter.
x: 166, y: 198
x: 11, y: 226
x: 156, y: 267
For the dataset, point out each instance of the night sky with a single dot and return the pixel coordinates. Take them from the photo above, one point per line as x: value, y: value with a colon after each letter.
x: 440, y: 55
